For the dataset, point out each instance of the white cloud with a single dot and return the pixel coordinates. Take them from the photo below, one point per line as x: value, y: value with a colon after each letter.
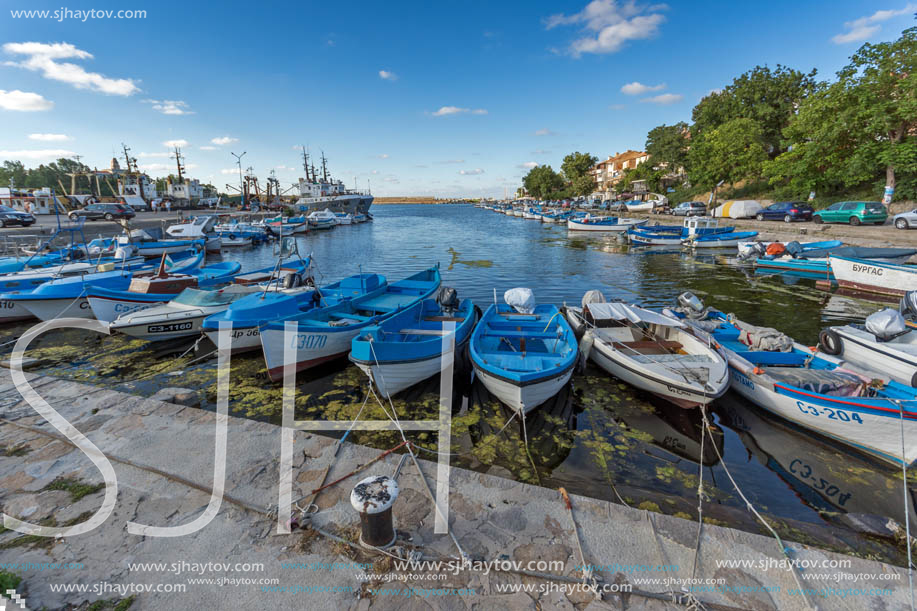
x: 173, y: 143
x: 209, y: 148
x: 383, y: 156
x: 608, y: 25
x: 540, y: 152
x: 44, y: 58
x: 49, y: 137
x: 636, y: 88
x: 455, y: 110
x: 473, y: 172
x: 170, y: 107
x: 157, y: 167
x: 223, y: 141
x: 36, y: 154
x: 229, y: 171
x: 388, y: 75
x: 864, y: 27
x: 664, y: 99
x: 391, y: 179
x: 544, y: 131
x: 24, y: 101
x: 528, y: 165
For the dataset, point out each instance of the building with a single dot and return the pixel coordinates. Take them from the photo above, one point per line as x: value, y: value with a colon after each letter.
x: 606, y: 174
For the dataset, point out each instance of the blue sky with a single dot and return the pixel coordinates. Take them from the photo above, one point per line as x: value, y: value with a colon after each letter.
x: 416, y: 97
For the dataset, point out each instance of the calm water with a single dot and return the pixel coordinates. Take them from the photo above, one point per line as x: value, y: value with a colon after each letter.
x: 598, y: 437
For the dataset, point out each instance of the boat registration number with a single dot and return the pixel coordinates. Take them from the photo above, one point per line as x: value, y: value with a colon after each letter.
x: 804, y: 471
x: 829, y: 412
x: 309, y: 341
x: 169, y: 328
x: 7, y: 305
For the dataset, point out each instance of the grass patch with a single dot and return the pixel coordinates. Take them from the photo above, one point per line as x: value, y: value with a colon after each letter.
x: 46, y: 542
x: 77, y: 488
x: 112, y: 604
x: 9, y: 581
x: 16, y: 450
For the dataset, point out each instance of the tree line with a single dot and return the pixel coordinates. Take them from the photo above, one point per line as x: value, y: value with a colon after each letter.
x: 785, y: 130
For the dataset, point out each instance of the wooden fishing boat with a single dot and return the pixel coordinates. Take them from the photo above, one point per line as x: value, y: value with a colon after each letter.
x: 408, y: 347
x: 523, y: 359
x: 650, y: 351
x: 873, y: 276
x: 718, y: 240
x: 602, y: 223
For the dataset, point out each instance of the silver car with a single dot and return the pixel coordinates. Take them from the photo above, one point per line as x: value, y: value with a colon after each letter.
x: 906, y: 220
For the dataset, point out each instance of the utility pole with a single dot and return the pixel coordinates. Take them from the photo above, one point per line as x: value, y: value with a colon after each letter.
x: 241, y: 186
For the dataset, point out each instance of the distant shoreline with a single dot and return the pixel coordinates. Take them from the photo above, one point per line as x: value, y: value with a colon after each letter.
x: 411, y: 200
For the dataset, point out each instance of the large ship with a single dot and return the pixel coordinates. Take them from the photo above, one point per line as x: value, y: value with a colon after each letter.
x: 318, y: 191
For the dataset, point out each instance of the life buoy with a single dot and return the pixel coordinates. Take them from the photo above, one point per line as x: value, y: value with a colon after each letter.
x: 830, y: 342
x: 232, y: 236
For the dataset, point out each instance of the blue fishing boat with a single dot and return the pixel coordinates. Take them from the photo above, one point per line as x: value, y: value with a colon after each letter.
x: 282, y: 299
x: 718, y: 240
x: 323, y: 334
x: 108, y: 303
x: 673, y: 235
x: 66, y: 297
x: 815, y: 260
x: 602, y: 223
x: 523, y: 357
x: 812, y: 389
x: 408, y: 347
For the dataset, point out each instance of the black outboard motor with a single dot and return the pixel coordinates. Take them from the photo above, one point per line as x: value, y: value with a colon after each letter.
x: 292, y: 281
x: 447, y: 298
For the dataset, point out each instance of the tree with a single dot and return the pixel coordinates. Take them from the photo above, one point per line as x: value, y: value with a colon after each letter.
x: 644, y: 171
x: 667, y: 145
x: 732, y: 152
x: 864, y: 125
x: 542, y: 180
x: 575, y: 168
x: 768, y: 97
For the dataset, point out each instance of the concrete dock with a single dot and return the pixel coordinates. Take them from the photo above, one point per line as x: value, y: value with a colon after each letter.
x: 162, y: 454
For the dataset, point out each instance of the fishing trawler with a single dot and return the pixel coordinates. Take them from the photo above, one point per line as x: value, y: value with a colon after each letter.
x: 318, y: 191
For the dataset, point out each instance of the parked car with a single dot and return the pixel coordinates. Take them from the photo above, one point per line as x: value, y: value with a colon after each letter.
x: 690, y: 209
x: 787, y: 211
x: 109, y: 212
x: 906, y: 220
x: 9, y: 216
x: 617, y: 206
x: 854, y: 213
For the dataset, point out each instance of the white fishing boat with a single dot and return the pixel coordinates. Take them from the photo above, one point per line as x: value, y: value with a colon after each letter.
x: 602, y: 223
x: 884, y: 343
x: 231, y: 240
x: 359, y: 217
x: 873, y: 276
x: 198, y: 228
x: 181, y: 317
x: 649, y: 350
x: 344, y: 218
x: 322, y: 219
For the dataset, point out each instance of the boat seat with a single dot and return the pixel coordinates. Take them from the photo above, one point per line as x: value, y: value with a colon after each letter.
x: 423, y: 332
x: 347, y: 316
x: 648, y: 346
x: 524, y: 334
x: 444, y: 319
x: 533, y: 315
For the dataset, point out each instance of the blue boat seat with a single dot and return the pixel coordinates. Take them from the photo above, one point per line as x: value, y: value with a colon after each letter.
x: 526, y: 334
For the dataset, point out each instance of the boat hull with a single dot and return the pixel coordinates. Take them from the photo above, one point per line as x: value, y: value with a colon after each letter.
x: 13, y: 311
x: 65, y: 307
x: 242, y: 339
x: 880, y: 357
x: 523, y: 398
x: 312, y: 347
x: 392, y: 378
x: 108, y: 309
x: 621, y: 225
x: 172, y: 328
x: 874, y: 276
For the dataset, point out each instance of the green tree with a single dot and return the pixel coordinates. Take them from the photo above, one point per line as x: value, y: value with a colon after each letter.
x: 768, y: 97
x: 864, y: 125
x: 542, y: 181
x: 644, y: 171
x: 732, y: 152
x: 668, y: 145
x: 575, y: 168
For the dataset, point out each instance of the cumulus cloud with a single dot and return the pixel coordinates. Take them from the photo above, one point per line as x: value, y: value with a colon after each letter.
x: 544, y: 131
x: 49, y: 137
x: 24, y: 101
x: 229, y: 171
x: 607, y: 25
x: 382, y: 156
x: 223, y: 141
x: 445, y: 111
x: 45, y: 59
x: 36, y: 154
x: 864, y: 27
x: 636, y: 88
x: 388, y: 75
x: 528, y: 165
x: 170, y: 107
x: 173, y: 143
x: 473, y: 172
x: 664, y: 99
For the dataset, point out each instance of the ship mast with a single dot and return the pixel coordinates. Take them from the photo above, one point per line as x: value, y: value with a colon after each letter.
x: 178, y: 160
x: 305, y: 163
x: 324, y: 168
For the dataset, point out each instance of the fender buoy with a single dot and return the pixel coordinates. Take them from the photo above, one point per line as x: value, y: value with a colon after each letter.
x: 830, y: 342
x: 232, y: 236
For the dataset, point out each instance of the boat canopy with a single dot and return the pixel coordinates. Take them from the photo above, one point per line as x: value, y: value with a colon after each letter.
x: 631, y: 313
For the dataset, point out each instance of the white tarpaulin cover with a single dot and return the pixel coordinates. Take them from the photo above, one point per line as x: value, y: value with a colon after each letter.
x: 886, y: 324
x: 632, y: 313
x: 135, y: 201
x: 522, y: 299
x: 738, y: 209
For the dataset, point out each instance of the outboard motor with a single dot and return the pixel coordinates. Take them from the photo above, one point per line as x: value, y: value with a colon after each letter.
x: 690, y: 303
x: 592, y: 296
x: 292, y: 281
x: 908, y: 305
x: 886, y: 324
x: 755, y: 250
x: 447, y: 298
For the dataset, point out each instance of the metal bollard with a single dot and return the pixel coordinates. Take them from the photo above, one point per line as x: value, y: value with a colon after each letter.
x: 373, y: 499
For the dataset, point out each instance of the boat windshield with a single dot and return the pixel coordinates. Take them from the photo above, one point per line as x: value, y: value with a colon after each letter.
x: 198, y: 297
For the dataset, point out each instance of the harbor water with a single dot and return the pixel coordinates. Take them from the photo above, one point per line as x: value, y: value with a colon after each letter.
x: 598, y: 437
